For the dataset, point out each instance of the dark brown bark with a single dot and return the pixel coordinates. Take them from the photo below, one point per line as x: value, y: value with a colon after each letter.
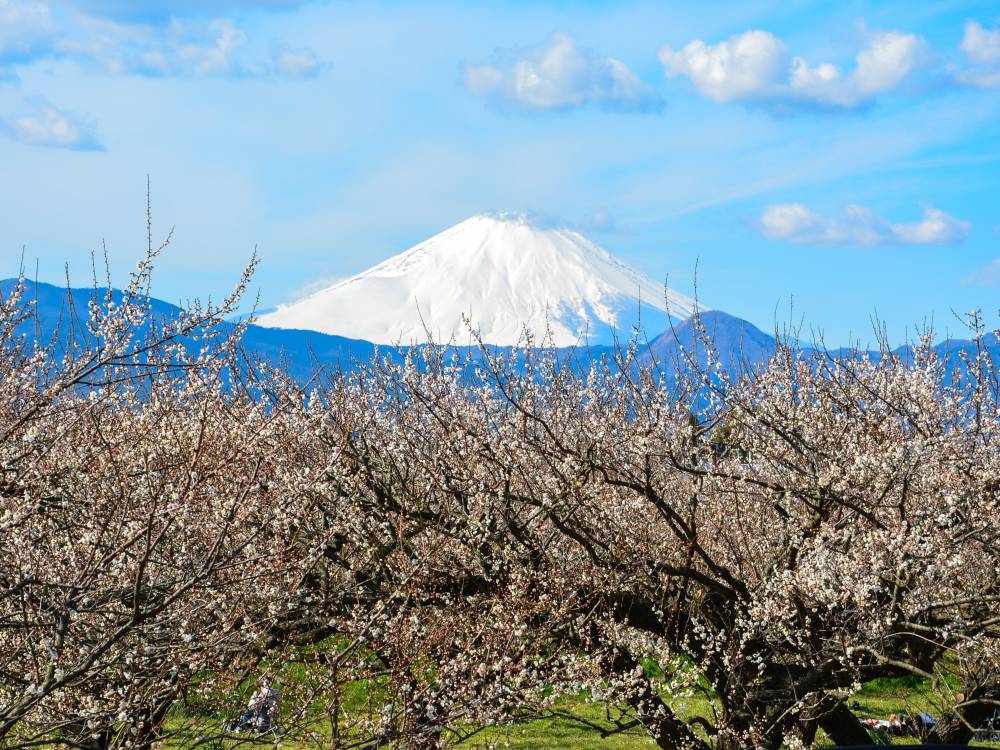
x: 151, y: 727
x: 843, y: 727
x: 656, y: 717
x: 957, y: 726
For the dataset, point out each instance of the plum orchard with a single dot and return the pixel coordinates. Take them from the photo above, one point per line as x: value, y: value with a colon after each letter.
x: 773, y: 539
x: 468, y: 539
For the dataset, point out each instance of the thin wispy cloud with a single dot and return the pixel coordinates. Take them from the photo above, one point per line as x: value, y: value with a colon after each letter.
x: 315, y: 285
x: 560, y: 76
x: 175, y: 46
x: 296, y: 63
x: 601, y: 221
x: 189, y: 49
x: 183, y: 48
x: 152, y: 10
x: 981, y: 47
x: 26, y: 30
x: 756, y: 67
x: 858, y: 227
x: 47, y: 125
x: 987, y: 276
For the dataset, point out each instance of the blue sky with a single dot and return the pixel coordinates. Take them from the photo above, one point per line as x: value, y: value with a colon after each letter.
x: 841, y: 158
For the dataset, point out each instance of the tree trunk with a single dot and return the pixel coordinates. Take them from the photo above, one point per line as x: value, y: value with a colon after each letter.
x: 952, y: 730
x: 957, y: 725
x: 151, y: 726
x: 656, y: 717
x: 843, y: 727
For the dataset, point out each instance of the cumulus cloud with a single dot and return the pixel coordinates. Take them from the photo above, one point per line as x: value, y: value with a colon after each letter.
x: 742, y: 66
x: 981, y: 47
x: 756, y: 67
x: 47, y: 125
x: 560, y: 76
x: 858, y: 227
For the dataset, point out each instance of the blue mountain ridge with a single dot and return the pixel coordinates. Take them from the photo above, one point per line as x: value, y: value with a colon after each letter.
x: 737, y: 342
x: 299, y: 351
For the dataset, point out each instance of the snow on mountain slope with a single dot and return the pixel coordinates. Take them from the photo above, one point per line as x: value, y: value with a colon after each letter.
x: 505, y: 274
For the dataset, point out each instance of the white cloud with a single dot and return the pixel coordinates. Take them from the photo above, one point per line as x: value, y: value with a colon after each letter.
x: 188, y: 48
x: 316, y: 285
x: 858, y: 227
x: 207, y: 57
x: 213, y: 47
x: 887, y: 60
x: 25, y: 29
x: 296, y: 63
x: 181, y: 48
x: 20, y: 18
x: 981, y: 47
x: 987, y: 276
x: 601, y: 221
x: 163, y: 9
x: 756, y: 67
x: 743, y: 66
x: 49, y: 126
x: 560, y: 76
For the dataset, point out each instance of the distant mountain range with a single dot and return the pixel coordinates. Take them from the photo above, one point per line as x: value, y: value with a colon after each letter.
x: 737, y: 341
x: 505, y: 274
x: 299, y: 351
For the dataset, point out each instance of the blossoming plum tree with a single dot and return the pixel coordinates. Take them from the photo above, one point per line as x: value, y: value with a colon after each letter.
x: 465, y: 537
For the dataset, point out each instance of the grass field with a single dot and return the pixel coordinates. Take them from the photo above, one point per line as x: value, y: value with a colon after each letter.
x: 574, y: 722
x: 878, y: 700
x: 577, y: 724
x: 552, y: 733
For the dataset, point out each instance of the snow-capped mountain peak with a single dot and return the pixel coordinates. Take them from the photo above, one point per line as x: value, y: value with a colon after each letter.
x: 505, y: 273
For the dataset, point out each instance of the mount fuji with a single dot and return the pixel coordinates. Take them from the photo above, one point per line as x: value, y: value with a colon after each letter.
x: 503, y: 273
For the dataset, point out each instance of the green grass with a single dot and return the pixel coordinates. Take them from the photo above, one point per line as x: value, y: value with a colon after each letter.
x: 558, y: 732
x: 562, y: 732
x: 573, y: 723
